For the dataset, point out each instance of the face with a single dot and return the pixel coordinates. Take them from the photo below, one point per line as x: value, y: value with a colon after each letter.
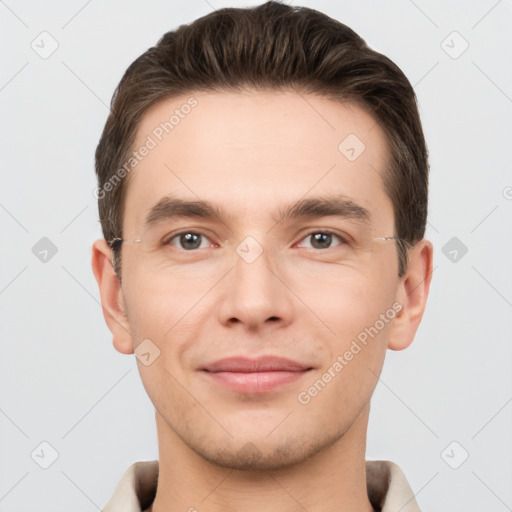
x: 258, y: 310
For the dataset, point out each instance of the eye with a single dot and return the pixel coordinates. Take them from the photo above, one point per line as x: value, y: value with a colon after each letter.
x: 322, y: 239
x: 189, y: 240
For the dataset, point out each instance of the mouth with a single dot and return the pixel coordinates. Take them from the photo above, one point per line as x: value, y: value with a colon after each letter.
x: 253, y: 376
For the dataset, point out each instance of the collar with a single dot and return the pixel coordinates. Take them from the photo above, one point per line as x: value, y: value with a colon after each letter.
x: 388, y: 489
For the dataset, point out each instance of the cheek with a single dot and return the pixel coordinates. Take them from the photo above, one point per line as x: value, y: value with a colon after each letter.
x: 358, y: 313
x: 345, y: 299
x: 171, y: 310
x: 158, y: 300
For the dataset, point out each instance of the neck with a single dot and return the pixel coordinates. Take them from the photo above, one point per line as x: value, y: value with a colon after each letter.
x: 332, y: 479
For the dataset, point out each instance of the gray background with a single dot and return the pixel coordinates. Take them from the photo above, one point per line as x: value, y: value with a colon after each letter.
x: 62, y: 382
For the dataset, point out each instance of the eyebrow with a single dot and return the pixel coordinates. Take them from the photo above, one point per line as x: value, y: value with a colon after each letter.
x: 330, y: 206
x: 312, y: 208
x: 169, y: 208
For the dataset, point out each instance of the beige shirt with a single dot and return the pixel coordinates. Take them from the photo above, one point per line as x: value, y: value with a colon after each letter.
x: 388, y: 489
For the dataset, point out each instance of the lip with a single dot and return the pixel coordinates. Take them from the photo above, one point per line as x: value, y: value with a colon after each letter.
x: 260, y: 375
x: 257, y: 365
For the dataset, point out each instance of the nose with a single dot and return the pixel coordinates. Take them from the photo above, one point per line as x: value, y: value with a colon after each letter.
x: 255, y: 294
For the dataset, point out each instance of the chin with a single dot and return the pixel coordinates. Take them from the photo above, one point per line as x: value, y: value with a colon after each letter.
x: 263, y: 454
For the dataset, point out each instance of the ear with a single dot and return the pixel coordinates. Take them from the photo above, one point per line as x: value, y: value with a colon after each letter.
x: 112, y: 301
x: 412, y: 293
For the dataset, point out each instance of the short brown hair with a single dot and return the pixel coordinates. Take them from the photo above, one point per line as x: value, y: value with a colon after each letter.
x: 271, y: 46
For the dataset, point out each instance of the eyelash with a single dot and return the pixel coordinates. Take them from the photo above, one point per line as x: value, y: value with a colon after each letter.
x: 342, y: 238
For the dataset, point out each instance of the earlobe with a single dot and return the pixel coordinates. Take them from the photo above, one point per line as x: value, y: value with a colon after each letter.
x: 412, y: 294
x: 112, y: 301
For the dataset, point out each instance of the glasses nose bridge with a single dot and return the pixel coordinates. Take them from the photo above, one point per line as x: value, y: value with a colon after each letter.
x: 255, y: 283
x: 257, y: 244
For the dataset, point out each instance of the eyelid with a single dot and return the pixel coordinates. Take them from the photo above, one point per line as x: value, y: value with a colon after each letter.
x: 345, y: 239
x: 167, y: 239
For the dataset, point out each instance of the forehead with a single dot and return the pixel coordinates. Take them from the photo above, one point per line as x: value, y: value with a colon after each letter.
x: 253, y: 150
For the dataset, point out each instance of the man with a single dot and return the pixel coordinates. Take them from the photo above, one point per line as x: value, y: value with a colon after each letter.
x: 263, y: 185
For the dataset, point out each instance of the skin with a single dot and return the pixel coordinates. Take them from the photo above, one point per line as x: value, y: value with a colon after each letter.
x: 251, y: 152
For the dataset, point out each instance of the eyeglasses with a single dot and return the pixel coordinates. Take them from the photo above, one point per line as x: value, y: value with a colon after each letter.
x: 117, y: 241
x: 166, y: 247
